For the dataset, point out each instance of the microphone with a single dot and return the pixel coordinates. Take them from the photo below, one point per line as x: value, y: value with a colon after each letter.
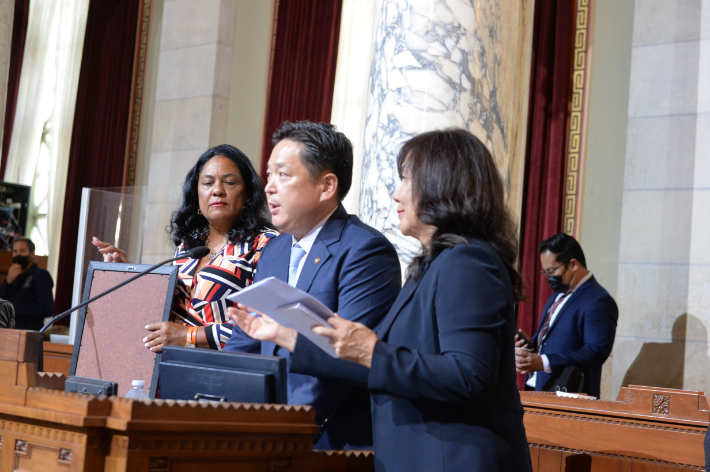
x: 194, y: 253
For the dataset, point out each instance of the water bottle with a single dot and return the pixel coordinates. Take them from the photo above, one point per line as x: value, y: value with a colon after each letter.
x: 137, y: 392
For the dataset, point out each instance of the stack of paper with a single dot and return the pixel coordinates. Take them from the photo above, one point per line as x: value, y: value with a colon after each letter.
x: 289, y: 307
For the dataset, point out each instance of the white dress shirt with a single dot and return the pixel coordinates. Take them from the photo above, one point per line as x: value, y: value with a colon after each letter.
x: 553, y: 317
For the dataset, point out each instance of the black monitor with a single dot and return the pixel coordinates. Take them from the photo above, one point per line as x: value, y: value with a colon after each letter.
x: 205, y: 374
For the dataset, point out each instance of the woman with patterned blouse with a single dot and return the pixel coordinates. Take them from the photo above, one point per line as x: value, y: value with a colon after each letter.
x: 223, y: 208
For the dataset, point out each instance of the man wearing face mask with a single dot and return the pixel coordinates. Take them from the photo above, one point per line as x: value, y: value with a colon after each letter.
x: 27, y: 287
x: 577, y: 325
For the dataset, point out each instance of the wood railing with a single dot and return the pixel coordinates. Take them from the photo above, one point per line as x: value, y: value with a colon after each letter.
x: 645, y: 429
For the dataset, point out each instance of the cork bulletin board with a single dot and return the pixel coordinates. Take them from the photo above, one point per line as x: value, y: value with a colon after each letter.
x: 110, y: 331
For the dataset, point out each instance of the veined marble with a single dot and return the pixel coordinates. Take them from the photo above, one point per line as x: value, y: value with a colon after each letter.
x: 439, y: 64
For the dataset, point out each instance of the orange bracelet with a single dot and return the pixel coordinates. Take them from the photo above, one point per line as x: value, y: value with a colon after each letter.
x: 194, y: 335
x: 191, y: 335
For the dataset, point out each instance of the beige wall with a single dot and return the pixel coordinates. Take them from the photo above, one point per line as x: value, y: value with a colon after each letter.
x: 206, y: 85
x: 250, y: 74
x: 664, y: 255
x: 605, y: 147
x: 605, y: 139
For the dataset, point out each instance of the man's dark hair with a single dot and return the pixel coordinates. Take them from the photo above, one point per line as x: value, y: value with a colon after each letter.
x: 565, y: 248
x: 325, y: 150
x: 30, y: 244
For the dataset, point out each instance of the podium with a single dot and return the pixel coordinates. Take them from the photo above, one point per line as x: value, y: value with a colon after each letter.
x: 645, y: 429
x: 49, y: 430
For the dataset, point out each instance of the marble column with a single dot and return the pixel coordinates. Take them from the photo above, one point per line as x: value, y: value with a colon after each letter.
x: 440, y: 64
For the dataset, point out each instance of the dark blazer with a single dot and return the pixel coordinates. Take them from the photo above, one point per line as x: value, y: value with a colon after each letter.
x: 582, y: 335
x: 442, y: 379
x: 358, y: 276
x: 31, y: 296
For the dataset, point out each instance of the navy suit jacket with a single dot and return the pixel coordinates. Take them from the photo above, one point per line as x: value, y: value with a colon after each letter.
x: 581, y: 335
x: 442, y: 380
x: 358, y: 276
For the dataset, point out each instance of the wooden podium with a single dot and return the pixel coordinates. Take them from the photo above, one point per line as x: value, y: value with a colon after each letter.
x: 645, y: 429
x: 47, y: 430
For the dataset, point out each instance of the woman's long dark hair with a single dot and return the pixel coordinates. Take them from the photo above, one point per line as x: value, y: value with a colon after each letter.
x: 187, y: 226
x: 457, y: 189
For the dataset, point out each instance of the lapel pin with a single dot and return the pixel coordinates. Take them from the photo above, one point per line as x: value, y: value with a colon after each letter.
x: 317, y: 260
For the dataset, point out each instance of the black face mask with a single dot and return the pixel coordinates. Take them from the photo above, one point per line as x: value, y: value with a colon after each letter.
x: 24, y: 261
x: 556, y: 284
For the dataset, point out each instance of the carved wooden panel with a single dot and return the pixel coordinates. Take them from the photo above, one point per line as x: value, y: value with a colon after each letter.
x: 646, y: 428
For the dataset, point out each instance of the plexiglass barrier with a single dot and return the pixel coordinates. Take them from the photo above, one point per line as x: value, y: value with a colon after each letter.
x: 114, y: 215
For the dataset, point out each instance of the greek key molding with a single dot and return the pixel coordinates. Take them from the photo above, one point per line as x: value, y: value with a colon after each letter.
x: 137, y: 90
x: 575, y: 131
x: 615, y: 456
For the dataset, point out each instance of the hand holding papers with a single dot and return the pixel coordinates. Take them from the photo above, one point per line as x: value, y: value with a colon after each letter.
x: 289, y: 307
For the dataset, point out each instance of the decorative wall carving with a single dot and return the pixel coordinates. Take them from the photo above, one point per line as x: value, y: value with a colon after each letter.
x: 141, y: 54
x: 661, y: 404
x: 575, y: 131
x: 65, y: 455
x: 20, y: 447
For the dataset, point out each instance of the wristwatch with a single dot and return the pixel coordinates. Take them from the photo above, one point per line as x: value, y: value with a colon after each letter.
x: 191, y: 336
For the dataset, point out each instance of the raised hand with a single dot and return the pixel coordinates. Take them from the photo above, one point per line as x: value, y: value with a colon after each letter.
x: 13, y: 272
x: 261, y: 327
x: 352, y: 341
x: 110, y: 252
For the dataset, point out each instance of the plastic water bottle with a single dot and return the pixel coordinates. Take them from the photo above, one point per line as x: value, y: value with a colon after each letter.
x: 137, y: 392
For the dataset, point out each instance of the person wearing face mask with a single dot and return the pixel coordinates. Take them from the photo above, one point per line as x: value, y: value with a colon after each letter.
x: 27, y: 287
x: 577, y: 326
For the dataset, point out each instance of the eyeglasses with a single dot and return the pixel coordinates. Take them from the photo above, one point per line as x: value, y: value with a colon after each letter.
x: 551, y: 271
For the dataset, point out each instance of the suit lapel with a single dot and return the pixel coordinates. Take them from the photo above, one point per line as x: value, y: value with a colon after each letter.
x: 570, y: 303
x: 274, y: 261
x: 404, y: 296
x: 329, y: 234
x: 319, y: 252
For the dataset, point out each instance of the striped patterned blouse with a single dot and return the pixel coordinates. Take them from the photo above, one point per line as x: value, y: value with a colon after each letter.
x: 200, y: 299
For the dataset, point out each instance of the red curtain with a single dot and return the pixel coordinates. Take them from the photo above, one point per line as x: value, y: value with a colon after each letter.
x: 100, y: 132
x: 550, y: 84
x: 304, y: 57
x: 17, y: 52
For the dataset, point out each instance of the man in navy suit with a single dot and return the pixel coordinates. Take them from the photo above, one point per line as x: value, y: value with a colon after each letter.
x: 577, y: 325
x: 350, y: 267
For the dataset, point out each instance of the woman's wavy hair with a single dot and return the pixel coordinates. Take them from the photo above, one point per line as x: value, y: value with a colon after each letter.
x: 187, y: 226
x: 457, y: 189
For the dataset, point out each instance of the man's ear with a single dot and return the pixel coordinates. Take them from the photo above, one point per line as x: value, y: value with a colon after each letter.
x: 330, y: 186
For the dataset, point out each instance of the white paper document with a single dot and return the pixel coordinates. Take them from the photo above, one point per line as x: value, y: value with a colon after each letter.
x: 289, y: 306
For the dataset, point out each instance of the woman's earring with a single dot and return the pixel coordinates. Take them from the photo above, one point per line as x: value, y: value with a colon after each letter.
x: 199, y: 212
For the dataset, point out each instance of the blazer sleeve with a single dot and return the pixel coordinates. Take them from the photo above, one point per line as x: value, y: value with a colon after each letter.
x: 368, y: 285
x: 473, y: 303
x: 599, y: 330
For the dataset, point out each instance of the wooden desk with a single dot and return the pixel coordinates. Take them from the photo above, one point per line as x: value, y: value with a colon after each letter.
x: 49, y: 430
x: 57, y: 357
x: 645, y: 429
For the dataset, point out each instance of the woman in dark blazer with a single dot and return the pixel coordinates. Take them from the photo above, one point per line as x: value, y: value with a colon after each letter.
x: 440, y: 368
